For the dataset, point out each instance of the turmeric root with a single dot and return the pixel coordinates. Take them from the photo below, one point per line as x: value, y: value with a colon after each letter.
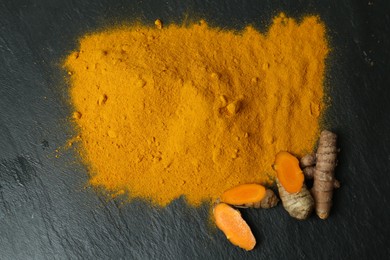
x: 288, y: 172
x: 307, y: 164
x: 296, y: 198
x: 250, y: 196
x: 230, y: 222
x: 324, y: 180
x: 309, y: 168
x: 270, y: 200
x: 299, y: 205
x: 308, y: 160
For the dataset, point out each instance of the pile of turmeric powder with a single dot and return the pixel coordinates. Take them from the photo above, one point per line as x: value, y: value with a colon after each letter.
x: 193, y: 110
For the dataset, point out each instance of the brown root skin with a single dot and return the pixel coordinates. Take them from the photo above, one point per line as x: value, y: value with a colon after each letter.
x: 299, y: 205
x: 309, y: 172
x: 308, y: 160
x: 307, y: 164
x: 270, y: 200
x: 324, y: 180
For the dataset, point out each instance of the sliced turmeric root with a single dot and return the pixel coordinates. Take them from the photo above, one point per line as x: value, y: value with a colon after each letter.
x: 288, y: 172
x: 295, y: 197
x: 230, y: 222
x: 250, y: 196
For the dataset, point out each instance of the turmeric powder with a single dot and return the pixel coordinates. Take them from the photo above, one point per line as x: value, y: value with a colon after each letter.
x: 194, y: 110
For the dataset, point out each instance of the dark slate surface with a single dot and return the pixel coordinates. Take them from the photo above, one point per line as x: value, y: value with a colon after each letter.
x: 46, y: 211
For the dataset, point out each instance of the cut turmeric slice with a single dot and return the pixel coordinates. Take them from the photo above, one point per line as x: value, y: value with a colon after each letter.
x: 230, y: 222
x: 250, y: 196
x: 288, y: 172
x: 244, y: 194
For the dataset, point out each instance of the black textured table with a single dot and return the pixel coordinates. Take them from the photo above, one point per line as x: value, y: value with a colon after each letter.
x: 48, y: 212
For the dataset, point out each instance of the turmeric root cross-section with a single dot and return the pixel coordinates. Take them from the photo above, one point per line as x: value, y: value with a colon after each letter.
x: 288, y: 172
x: 250, y: 196
x: 235, y: 228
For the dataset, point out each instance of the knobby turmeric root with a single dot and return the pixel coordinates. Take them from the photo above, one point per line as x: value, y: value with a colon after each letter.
x: 288, y: 172
x: 324, y: 180
x: 299, y: 205
x: 230, y: 222
x: 250, y: 196
x: 308, y: 163
x: 296, y: 198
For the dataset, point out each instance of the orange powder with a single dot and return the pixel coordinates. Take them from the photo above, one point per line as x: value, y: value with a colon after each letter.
x: 194, y: 110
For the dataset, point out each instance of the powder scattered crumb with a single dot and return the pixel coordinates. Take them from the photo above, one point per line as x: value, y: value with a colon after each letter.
x: 158, y: 24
